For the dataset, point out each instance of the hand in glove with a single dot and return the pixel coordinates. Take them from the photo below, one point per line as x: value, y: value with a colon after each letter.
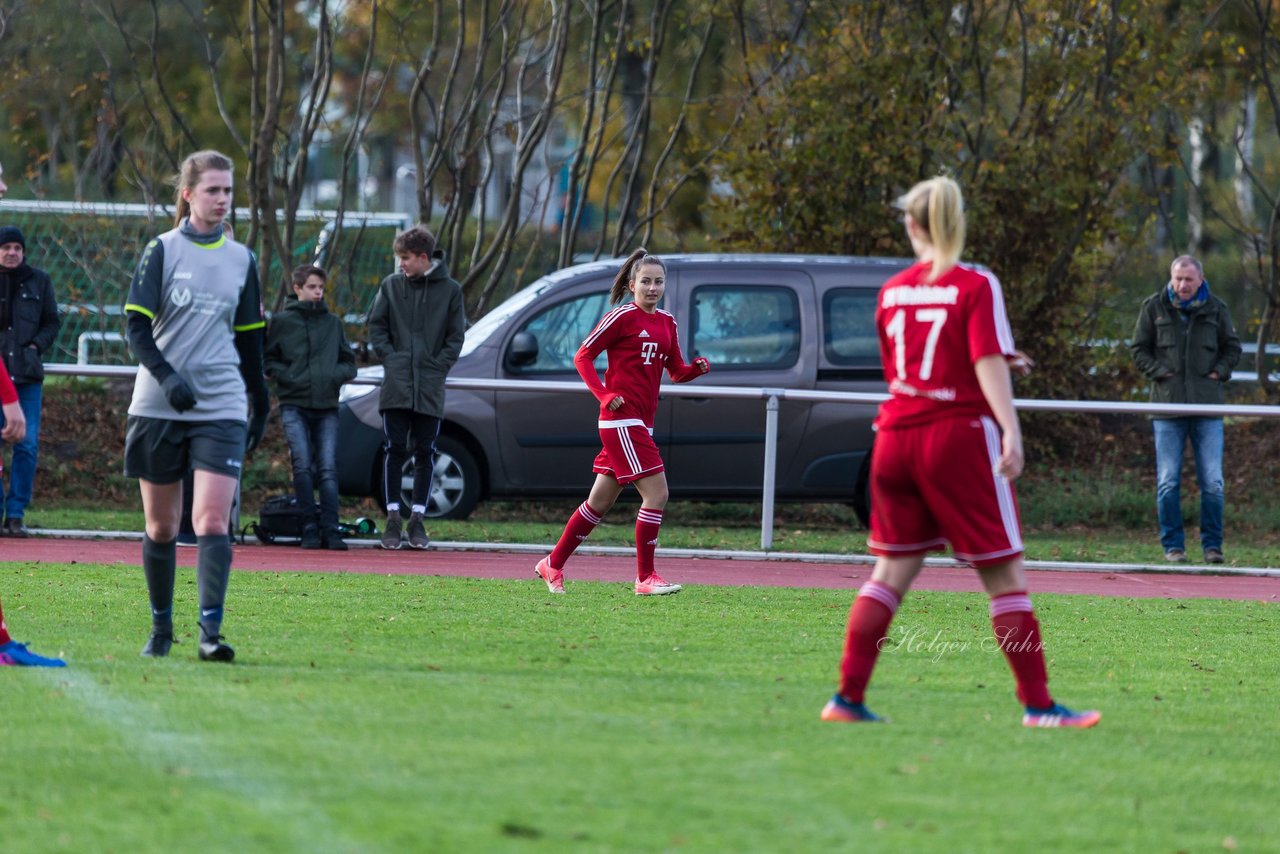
x: 177, y: 392
x: 258, y: 422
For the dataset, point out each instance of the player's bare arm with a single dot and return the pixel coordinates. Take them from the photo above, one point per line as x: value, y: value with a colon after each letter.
x: 997, y: 388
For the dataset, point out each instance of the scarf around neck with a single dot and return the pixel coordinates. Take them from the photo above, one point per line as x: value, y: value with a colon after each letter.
x: 1199, y: 298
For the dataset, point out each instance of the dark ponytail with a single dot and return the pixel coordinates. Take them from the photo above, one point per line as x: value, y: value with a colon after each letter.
x: 627, y: 273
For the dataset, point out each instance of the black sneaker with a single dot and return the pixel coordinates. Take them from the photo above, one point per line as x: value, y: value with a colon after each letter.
x: 418, y: 538
x: 333, y: 540
x: 158, y: 644
x: 13, y: 527
x: 311, y: 537
x: 391, y: 535
x: 213, y: 649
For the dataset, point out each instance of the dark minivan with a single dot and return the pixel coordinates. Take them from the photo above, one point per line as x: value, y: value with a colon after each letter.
x: 773, y: 321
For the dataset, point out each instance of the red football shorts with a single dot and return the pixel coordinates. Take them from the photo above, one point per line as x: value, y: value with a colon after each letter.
x: 936, y: 484
x: 629, y: 452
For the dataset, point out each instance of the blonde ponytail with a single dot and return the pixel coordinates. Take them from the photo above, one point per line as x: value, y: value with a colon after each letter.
x: 937, y: 206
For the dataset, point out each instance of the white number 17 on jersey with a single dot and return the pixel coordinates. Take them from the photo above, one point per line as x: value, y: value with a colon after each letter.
x: 898, y: 326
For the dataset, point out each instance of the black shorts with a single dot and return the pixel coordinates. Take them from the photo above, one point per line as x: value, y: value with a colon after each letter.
x: 162, y: 451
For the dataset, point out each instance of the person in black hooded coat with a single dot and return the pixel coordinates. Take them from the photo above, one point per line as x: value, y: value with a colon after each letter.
x: 28, y: 326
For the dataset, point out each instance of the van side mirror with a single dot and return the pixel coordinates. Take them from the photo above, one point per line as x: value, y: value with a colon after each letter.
x: 523, y: 350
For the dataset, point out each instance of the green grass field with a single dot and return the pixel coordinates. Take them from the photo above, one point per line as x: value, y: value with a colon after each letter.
x: 372, y: 714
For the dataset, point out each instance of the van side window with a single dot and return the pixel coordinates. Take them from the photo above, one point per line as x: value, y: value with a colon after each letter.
x: 745, y: 326
x: 559, y: 331
x: 849, y: 327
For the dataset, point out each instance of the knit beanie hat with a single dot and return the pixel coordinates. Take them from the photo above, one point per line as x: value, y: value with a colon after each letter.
x: 12, y: 234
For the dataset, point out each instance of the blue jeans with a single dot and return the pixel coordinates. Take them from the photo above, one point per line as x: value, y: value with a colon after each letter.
x: 1206, y: 443
x: 312, y: 435
x: 22, y: 469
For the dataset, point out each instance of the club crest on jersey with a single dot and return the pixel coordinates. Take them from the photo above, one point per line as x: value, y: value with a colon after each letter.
x: 648, y: 350
x: 180, y: 297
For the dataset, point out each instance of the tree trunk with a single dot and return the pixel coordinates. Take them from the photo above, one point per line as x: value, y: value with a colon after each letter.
x: 1246, y: 131
x: 1195, y: 201
x: 634, y: 79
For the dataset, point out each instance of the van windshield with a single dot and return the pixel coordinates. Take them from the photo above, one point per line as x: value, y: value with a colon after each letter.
x: 484, y: 328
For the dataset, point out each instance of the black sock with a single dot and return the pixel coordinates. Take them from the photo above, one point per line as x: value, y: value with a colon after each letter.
x: 159, y: 565
x: 213, y: 572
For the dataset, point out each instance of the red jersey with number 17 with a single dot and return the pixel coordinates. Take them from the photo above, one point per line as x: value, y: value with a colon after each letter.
x: 931, y: 334
x: 640, y: 346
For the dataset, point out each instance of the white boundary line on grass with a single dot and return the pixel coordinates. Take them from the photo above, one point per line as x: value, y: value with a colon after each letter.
x: 153, y: 742
x: 726, y: 554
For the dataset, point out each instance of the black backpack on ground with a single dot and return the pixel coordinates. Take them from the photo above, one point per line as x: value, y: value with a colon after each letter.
x: 280, y: 517
x: 281, y: 520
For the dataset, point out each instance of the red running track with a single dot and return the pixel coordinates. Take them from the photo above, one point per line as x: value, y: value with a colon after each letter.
x: 685, y: 570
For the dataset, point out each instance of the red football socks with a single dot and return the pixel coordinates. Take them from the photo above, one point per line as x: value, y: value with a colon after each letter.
x: 4, y: 630
x: 578, y: 528
x: 869, y: 619
x: 1018, y: 633
x: 648, y: 521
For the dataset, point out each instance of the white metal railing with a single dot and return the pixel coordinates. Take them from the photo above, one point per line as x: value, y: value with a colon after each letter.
x: 86, y: 338
x: 164, y: 210
x: 772, y: 398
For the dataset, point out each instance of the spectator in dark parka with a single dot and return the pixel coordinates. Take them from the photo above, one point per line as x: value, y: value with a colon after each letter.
x: 1186, y: 345
x: 416, y: 327
x: 308, y: 359
x: 28, y: 326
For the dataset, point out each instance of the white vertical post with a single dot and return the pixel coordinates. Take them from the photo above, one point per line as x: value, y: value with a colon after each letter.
x: 770, y: 466
x: 86, y: 338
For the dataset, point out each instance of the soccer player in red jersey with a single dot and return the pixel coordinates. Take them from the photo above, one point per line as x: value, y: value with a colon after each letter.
x: 948, y: 447
x: 15, y: 427
x: 641, y: 342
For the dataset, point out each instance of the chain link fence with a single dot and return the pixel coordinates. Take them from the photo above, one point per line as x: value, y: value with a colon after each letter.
x: 90, y: 251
